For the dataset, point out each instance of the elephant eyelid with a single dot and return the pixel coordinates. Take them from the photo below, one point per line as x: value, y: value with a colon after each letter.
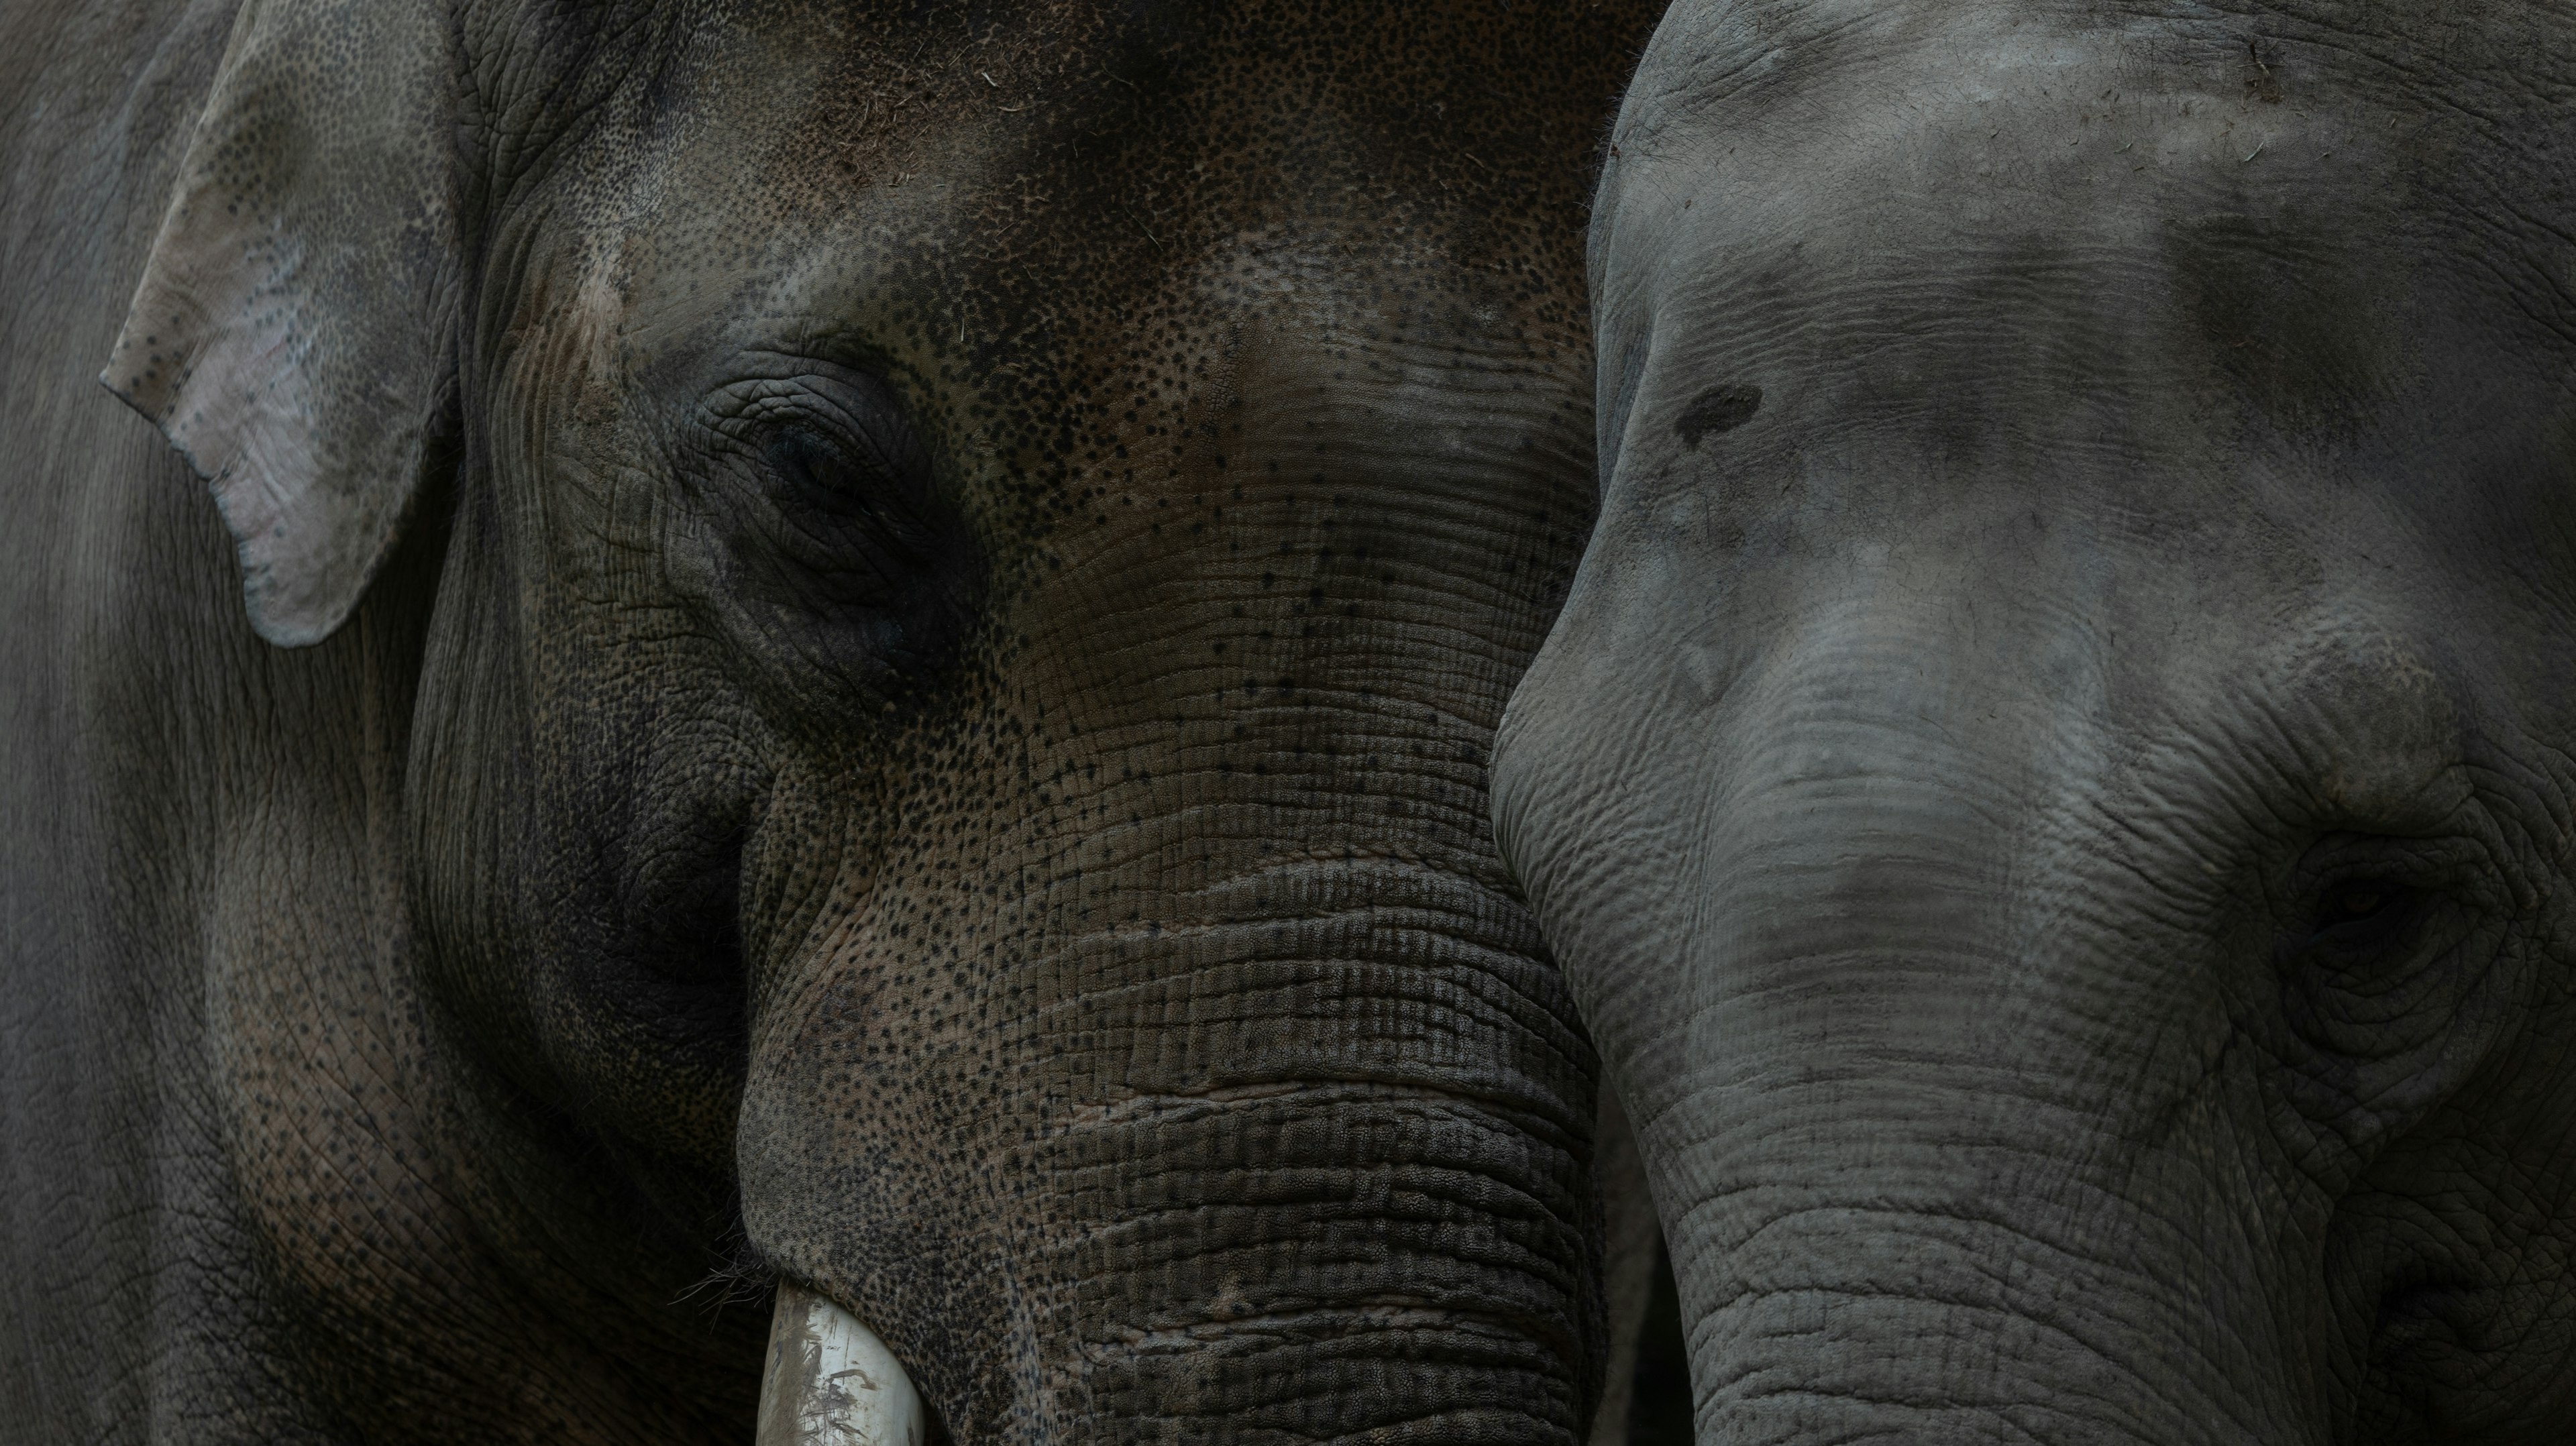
x: 822, y: 474
x: 836, y: 397
x: 827, y: 441
x: 2364, y: 911
x: 2358, y: 896
x: 2450, y: 865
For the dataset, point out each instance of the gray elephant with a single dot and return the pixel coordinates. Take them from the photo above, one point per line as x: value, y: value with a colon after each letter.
x: 2053, y: 783
x: 871, y: 633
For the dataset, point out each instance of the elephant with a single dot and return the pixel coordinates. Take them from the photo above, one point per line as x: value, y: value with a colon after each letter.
x: 2051, y: 786
x: 845, y: 655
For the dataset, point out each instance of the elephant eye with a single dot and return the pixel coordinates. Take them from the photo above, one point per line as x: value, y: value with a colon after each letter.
x: 2359, y: 915
x: 2394, y: 935
x: 858, y: 452
x: 848, y: 482
x: 845, y: 532
x: 813, y: 473
x: 810, y: 472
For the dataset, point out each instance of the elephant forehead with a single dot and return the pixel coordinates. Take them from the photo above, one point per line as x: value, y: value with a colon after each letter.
x: 758, y: 138
x: 2193, y: 298
x: 2000, y: 196
x: 1102, y: 232
x: 2034, y: 164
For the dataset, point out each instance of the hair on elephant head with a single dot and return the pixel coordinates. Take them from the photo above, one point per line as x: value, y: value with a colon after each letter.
x: 934, y: 583
x: 2051, y: 784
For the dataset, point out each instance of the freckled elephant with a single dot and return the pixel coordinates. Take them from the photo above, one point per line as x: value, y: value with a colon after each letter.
x: 846, y: 644
x: 2052, y: 784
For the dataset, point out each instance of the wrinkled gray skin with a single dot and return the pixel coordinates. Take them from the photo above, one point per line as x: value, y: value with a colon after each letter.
x: 2053, y: 785
x: 840, y: 642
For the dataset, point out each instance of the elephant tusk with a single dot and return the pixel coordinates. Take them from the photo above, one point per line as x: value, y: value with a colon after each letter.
x: 831, y: 1382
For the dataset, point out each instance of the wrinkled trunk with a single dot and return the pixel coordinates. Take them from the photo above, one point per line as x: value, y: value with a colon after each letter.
x: 1964, y: 1179
x: 1310, y: 1163
x: 1950, y: 1128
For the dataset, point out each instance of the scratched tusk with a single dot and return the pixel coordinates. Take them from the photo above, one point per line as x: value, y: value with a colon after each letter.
x: 831, y: 1382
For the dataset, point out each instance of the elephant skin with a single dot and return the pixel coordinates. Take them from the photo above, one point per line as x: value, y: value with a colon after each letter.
x: 2052, y: 786
x: 841, y: 643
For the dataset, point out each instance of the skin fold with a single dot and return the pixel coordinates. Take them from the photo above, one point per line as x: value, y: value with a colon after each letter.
x: 2052, y: 783
x: 897, y: 613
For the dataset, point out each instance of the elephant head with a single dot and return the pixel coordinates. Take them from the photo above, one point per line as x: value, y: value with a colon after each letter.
x: 2051, y: 786
x: 935, y: 582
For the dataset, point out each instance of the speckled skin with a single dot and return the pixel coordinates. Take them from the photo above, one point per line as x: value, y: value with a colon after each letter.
x: 924, y: 731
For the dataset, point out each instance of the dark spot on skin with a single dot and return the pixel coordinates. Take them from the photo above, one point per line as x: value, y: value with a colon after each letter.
x: 2292, y: 314
x: 1720, y: 409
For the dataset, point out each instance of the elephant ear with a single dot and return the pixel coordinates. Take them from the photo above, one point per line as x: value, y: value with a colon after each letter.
x: 294, y: 332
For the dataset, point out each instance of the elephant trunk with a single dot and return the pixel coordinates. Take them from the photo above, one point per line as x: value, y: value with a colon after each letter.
x: 1946, y: 1120
x: 1927, y: 1202
x: 1927, y: 1284
x: 1303, y: 1144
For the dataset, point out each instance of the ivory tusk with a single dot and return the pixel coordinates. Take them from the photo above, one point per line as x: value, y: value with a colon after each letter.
x: 831, y: 1382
